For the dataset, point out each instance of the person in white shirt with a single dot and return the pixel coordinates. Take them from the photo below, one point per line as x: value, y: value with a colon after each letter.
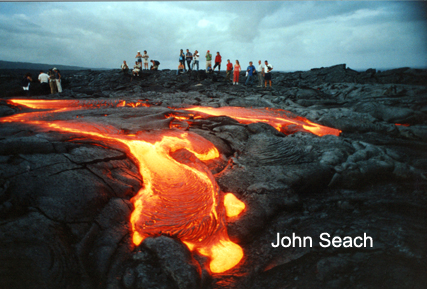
x: 267, y: 73
x: 136, y: 68
x: 260, y: 70
x: 44, y: 81
x: 145, y: 56
x: 196, y: 60
x: 125, y: 67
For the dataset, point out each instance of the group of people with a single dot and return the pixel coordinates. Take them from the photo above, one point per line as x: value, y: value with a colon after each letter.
x: 263, y: 72
x: 51, y: 79
x: 138, y: 64
x: 192, y: 60
x: 54, y: 79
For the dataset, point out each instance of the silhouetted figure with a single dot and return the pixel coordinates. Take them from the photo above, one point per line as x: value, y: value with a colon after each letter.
x: 25, y: 82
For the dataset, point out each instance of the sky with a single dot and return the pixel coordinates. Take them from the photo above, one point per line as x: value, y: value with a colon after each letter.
x: 291, y: 35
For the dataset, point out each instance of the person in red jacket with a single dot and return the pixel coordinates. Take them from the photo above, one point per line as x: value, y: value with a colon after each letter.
x: 229, y: 70
x: 217, y: 62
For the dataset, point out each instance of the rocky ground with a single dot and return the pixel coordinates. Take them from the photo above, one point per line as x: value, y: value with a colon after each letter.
x: 65, y: 200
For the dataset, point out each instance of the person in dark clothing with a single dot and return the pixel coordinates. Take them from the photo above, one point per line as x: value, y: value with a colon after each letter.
x: 58, y: 79
x: 181, y: 58
x: 251, y: 70
x: 155, y: 65
x: 189, y: 58
x: 25, y: 82
x: 52, y: 82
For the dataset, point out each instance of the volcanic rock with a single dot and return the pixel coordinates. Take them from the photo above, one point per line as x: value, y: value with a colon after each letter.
x: 65, y: 198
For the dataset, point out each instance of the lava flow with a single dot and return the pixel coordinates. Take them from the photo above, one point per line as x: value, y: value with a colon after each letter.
x: 282, y: 120
x: 180, y: 197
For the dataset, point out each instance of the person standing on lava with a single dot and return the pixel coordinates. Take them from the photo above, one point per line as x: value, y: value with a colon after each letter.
x: 44, y: 82
x: 182, y: 58
x: 267, y: 73
x: 57, y: 79
x: 229, y: 70
x: 145, y: 56
x: 236, y: 73
x: 52, y: 82
x: 195, y: 60
x: 250, y: 70
x: 260, y: 70
x: 189, y: 58
x: 208, y: 61
x: 218, y: 61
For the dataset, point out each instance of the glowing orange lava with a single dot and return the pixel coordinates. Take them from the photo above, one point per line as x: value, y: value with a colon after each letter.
x: 180, y: 196
x: 233, y: 206
x: 282, y: 120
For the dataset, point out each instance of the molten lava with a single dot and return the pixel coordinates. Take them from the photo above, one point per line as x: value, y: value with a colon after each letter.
x: 282, y: 120
x: 233, y: 206
x: 403, y: 124
x: 180, y: 196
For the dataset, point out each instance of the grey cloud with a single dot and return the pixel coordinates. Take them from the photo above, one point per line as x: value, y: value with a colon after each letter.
x: 242, y: 8
x: 302, y: 12
x: 297, y: 34
x: 246, y: 26
x: 19, y: 24
x: 244, y: 29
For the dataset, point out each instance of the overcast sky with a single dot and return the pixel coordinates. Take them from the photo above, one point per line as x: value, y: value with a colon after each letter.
x: 291, y: 35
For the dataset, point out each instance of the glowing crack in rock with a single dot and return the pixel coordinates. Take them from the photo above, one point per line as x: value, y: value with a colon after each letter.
x: 180, y: 197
